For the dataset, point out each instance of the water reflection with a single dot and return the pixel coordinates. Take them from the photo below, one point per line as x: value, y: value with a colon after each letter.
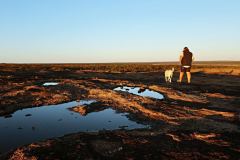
x: 50, y: 84
x: 39, y: 123
x: 140, y: 92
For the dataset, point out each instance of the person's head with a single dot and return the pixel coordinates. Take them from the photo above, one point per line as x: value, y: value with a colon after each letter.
x: 185, y: 49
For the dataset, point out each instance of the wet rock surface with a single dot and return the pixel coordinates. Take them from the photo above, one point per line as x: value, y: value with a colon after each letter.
x: 197, y: 121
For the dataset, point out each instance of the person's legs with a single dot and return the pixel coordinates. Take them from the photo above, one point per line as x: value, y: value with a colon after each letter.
x: 181, y: 74
x: 189, y: 77
x: 188, y: 70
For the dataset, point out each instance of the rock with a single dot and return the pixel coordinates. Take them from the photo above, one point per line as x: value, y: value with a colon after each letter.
x: 27, y: 115
x: 8, y: 116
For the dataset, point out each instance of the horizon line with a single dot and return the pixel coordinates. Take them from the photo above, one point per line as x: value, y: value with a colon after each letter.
x: 130, y: 62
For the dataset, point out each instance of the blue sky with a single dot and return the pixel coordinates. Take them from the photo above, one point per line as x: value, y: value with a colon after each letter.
x: 54, y: 31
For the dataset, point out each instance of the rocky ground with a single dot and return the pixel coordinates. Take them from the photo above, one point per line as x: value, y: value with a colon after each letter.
x: 196, y: 121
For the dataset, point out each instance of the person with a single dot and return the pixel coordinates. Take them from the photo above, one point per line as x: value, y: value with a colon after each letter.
x: 186, y: 59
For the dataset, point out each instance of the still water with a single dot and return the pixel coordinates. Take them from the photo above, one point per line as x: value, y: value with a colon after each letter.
x: 39, y: 123
x: 50, y: 84
x: 137, y: 91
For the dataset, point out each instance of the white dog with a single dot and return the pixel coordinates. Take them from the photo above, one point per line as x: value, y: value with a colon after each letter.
x: 169, y: 75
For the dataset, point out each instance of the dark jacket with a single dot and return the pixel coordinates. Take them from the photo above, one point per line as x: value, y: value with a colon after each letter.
x: 187, y: 59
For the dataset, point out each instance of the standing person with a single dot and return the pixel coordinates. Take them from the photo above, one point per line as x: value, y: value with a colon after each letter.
x: 186, y: 59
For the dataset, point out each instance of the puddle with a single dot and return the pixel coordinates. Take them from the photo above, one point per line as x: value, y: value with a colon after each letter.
x: 50, y: 84
x: 139, y: 92
x: 39, y: 123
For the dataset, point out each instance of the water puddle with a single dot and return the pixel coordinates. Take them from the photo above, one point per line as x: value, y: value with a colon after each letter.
x: 50, y: 84
x: 138, y: 91
x: 39, y: 123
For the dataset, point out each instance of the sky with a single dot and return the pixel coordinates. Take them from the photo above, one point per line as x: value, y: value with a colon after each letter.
x: 90, y: 31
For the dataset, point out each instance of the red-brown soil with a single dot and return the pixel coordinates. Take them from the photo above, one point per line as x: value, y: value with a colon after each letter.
x: 196, y: 121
